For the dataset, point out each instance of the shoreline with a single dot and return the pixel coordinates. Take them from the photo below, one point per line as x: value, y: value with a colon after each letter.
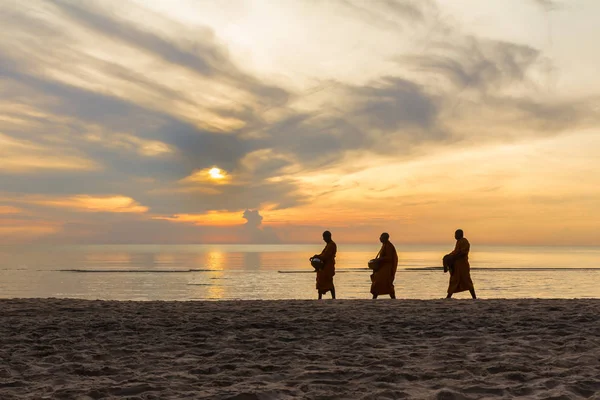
x: 279, y: 349
x: 309, y: 300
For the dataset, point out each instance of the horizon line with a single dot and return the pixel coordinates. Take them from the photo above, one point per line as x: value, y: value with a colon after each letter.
x: 286, y: 244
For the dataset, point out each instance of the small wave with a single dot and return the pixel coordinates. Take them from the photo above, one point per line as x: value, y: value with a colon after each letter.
x: 147, y: 271
x: 204, y: 270
x: 201, y: 284
x: 508, y: 269
x: 296, y: 272
x: 336, y: 271
x: 431, y: 269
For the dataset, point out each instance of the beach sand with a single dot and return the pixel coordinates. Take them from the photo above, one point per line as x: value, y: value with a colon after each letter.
x: 354, y: 349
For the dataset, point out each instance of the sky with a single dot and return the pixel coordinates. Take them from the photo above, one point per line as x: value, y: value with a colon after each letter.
x: 261, y: 121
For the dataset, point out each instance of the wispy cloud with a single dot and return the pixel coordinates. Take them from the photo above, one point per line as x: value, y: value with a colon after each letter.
x: 85, y: 203
x: 22, y: 156
x: 547, y: 5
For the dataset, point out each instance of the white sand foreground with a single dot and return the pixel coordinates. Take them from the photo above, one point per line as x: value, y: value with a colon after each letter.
x: 354, y: 349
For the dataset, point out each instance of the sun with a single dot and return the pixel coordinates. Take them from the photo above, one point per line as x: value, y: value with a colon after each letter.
x: 216, y: 173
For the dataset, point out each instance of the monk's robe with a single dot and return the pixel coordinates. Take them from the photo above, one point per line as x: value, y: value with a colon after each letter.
x: 382, y: 280
x: 460, y: 279
x: 325, y: 275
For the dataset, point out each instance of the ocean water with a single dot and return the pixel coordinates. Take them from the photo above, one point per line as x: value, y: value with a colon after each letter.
x: 224, y: 272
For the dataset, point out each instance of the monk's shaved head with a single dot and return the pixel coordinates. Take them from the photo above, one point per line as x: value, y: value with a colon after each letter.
x: 384, y: 237
x: 326, y: 234
x: 459, y: 234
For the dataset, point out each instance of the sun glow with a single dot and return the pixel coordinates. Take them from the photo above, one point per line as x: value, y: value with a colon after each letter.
x: 210, y: 176
x: 216, y: 173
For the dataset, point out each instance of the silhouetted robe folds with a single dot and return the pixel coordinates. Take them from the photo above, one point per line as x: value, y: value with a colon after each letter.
x: 460, y: 280
x: 382, y: 281
x: 325, y: 275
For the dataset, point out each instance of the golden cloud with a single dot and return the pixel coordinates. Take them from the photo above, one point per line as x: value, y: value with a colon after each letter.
x: 212, y: 218
x: 212, y: 175
x: 8, y: 210
x: 148, y: 148
x: 23, y: 156
x: 114, y: 204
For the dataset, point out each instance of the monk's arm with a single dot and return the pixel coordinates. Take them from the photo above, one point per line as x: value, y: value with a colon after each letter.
x: 330, y: 254
x: 382, y: 256
x: 326, y: 254
x: 389, y: 254
x: 461, y: 250
x: 320, y: 255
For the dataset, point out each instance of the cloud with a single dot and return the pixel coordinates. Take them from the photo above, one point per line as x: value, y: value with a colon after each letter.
x: 255, y: 231
x: 85, y: 203
x: 479, y: 64
x: 211, y: 218
x: 130, y: 229
x: 9, y: 210
x: 212, y: 227
x: 394, y: 105
x: 500, y: 82
x: 203, y: 56
x: 388, y: 115
x: 143, y: 147
x: 547, y: 5
x: 210, y: 176
x: 25, y: 156
x: 389, y: 14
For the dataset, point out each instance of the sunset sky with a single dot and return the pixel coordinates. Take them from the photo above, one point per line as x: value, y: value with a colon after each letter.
x: 261, y: 121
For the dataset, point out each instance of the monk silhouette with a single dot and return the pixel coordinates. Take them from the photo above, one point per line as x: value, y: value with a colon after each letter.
x: 382, y: 279
x: 325, y: 274
x: 460, y: 270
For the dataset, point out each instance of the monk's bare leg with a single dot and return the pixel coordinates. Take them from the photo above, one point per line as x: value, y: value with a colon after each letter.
x: 320, y: 295
x: 333, y: 292
x: 393, y: 295
x: 449, y: 295
x: 472, y: 291
x: 374, y: 296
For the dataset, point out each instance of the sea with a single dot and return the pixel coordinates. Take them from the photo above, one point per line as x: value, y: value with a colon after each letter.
x: 275, y: 272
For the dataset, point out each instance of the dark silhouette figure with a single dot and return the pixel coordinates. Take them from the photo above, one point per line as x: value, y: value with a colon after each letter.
x: 457, y: 263
x: 382, y: 279
x: 325, y: 274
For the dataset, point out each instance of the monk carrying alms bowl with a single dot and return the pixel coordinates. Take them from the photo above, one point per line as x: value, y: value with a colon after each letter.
x: 374, y: 264
x: 384, y: 268
x: 324, y: 265
x: 448, y: 262
x: 317, y: 263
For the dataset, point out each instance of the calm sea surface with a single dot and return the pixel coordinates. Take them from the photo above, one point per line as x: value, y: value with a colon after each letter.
x: 219, y: 272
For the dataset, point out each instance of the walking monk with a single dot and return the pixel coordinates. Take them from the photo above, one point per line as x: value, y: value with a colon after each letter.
x: 460, y: 273
x: 325, y: 275
x: 382, y: 280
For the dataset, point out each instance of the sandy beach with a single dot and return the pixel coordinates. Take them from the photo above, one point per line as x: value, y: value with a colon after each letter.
x: 457, y: 349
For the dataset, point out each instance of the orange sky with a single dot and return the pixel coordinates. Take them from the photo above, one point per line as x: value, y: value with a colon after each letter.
x: 260, y: 122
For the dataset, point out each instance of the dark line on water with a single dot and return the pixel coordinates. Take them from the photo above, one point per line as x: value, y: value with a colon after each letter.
x: 435, y: 269
x: 336, y: 271
x: 156, y: 271
x: 202, y: 284
x: 510, y: 269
